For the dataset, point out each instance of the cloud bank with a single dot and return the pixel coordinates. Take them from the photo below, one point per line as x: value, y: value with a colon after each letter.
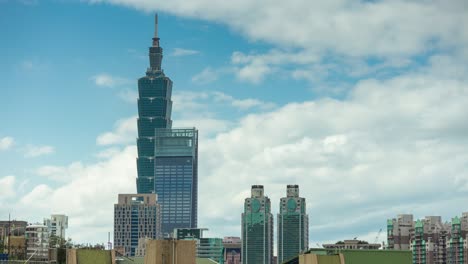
x: 382, y: 150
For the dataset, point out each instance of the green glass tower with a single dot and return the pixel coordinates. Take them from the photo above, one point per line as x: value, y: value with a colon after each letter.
x: 293, y: 225
x: 154, y: 111
x: 257, y: 228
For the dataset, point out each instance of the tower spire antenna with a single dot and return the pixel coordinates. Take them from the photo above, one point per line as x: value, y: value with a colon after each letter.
x: 156, y: 37
x: 156, y: 25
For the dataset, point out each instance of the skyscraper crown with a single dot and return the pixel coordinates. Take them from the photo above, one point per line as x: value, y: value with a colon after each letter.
x: 292, y: 191
x: 155, y: 53
x: 257, y: 191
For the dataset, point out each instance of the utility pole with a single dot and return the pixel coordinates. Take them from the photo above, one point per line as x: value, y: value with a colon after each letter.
x: 9, y: 233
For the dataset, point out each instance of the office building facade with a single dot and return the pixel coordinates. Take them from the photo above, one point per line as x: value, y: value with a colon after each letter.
x: 154, y: 111
x: 293, y: 225
x: 136, y: 216
x: 176, y: 177
x: 257, y: 228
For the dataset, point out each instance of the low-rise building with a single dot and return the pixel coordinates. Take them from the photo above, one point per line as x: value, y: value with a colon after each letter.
x: 352, y: 244
x: 232, y: 250
x: 37, y: 242
x: 15, y: 227
x: 15, y: 246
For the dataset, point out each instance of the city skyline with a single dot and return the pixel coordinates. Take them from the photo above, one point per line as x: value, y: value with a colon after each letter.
x: 377, y: 119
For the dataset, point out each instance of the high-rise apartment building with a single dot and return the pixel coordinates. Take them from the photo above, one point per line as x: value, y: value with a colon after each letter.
x: 418, y: 244
x: 399, y: 231
x: 293, y: 225
x: 456, y: 246
x: 176, y: 177
x: 154, y: 111
x: 57, y: 224
x: 136, y: 216
x: 257, y: 228
x: 431, y: 240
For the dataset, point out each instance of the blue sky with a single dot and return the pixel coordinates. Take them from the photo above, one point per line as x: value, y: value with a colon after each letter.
x: 361, y: 103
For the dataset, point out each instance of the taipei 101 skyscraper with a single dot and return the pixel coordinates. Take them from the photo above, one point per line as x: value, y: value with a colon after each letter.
x: 154, y: 112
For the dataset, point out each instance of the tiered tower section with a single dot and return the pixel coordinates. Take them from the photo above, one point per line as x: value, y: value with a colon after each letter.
x: 154, y: 111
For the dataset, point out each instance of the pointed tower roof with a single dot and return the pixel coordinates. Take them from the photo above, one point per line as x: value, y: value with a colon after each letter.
x: 156, y: 37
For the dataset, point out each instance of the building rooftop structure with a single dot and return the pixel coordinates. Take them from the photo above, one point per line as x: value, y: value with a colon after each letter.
x: 352, y: 244
x: 347, y: 256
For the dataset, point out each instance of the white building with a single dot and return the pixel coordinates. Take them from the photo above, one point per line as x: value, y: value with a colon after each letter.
x: 57, y: 225
x: 37, y: 242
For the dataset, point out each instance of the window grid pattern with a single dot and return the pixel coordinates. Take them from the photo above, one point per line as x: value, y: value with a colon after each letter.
x: 174, y: 184
x: 154, y: 111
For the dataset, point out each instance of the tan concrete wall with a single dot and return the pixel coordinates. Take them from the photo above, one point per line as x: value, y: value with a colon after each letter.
x: 308, y: 259
x: 113, y: 256
x: 71, y: 256
x: 170, y: 252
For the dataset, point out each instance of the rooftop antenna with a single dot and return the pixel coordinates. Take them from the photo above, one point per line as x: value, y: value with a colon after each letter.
x: 156, y: 38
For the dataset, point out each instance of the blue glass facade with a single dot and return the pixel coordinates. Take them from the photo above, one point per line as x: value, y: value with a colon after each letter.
x: 176, y: 177
x: 154, y: 112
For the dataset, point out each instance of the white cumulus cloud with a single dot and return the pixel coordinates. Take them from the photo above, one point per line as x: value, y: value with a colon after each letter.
x: 35, y: 151
x: 124, y: 133
x: 87, y: 196
x: 352, y: 28
x: 179, y: 52
x: 6, y: 143
x: 7, y: 187
x: 107, y: 80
